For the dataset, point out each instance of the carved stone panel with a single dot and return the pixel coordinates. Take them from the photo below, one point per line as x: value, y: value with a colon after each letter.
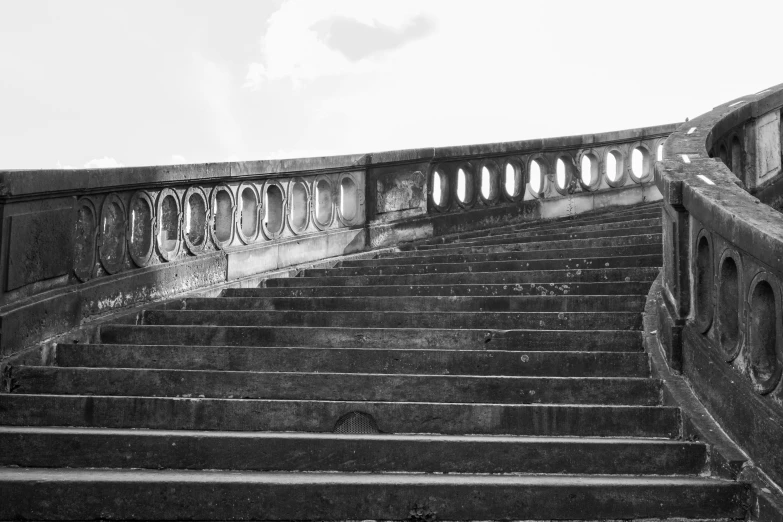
x: 401, y: 190
x: 40, y: 247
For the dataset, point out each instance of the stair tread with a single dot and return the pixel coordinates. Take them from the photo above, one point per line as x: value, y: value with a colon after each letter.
x: 294, y: 478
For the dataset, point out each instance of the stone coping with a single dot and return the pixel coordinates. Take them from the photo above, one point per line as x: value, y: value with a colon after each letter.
x: 689, y: 178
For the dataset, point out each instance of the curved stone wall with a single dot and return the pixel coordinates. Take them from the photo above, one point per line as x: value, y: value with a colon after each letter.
x: 78, y: 245
x: 722, y: 319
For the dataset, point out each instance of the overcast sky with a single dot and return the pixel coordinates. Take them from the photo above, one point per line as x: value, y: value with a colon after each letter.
x: 104, y: 83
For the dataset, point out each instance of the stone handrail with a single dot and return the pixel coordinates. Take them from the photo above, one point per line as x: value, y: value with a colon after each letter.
x: 720, y: 318
x: 78, y: 245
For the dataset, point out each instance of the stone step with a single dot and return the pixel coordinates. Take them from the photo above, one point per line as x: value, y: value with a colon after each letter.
x: 355, y: 360
x: 134, y: 382
x: 344, y: 453
x: 525, y: 277
x: 573, y: 253
x: 646, y: 226
x: 650, y: 260
x: 529, y: 303
x: 653, y: 214
x: 579, y: 232
x: 512, y: 246
x: 521, y: 238
x: 422, y: 319
x: 215, y: 495
x: 407, y: 338
x: 606, y: 223
x: 98, y: 411
x: 610, y: 288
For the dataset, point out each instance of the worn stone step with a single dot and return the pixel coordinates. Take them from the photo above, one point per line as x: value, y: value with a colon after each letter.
x: 355, y: 360
x: 143, y: 382
x: 610, y: 288
x: 169, y: 449
x: 520, y: 238
x: 511, y: 246
x: 99, y: 411
x: 534, y: 303
x: 177, y: 495
x: 525, y: 277
x: 652, y: 214
x: 528, y: 236
x: 354, y: 319
x: 650, y: 260
x: 408, y: 338
x: 651, y: 221
x: 573, y: 253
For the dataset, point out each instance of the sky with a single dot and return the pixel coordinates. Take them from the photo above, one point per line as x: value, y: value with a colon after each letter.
x: 112, y: 83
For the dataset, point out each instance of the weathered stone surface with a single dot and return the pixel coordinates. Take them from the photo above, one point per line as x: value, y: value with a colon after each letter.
x: 40, y: 246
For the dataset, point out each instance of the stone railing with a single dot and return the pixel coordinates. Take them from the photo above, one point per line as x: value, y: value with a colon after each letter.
x: 77, y: 246
x: 720, y: 318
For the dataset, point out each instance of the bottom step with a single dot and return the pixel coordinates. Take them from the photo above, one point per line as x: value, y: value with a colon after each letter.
x: 169, y: 495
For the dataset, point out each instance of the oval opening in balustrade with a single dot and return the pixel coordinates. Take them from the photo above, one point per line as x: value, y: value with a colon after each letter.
x: 141, y: 233
x: 512, y: 178
x: 736, y: 157
x: 589, y: 170
x: 223, y: 216
x: 348, y: 198
x: 723, y: 154
x: 323, y: 202
x: 728, y: 308
x: 762, y: 330
x: 437, y: 188
x: 463, y: 188
x: 273, y: 205
x: 659, y: 152
x: 614, y: 162
x: 249, y: 213
x: 168, y: 224
x: 536, y: 177
x: 84, y: 244
x: 703, y: 284
x: 640, y: 163
x: 195, y: 219
x: 112, y: 249
x: 298, y: 212
x: 560, y: 173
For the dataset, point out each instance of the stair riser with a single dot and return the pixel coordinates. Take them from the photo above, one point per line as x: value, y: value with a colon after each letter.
x: 491, y: 266
x: 336, y: 501
x: 575, y: 253
x: 552, y: 238
x: 456, y: 320
x: 435, y: 362
x: 528, y: 277
x: 532, y: 248
x: 511, y: 245
x: 630, y: 303
x: 560, y: 288
x: 527, y: 340
x: 317, y: 416
x: 561, y: 227
x: 335, y: 387
x: 352, y: 453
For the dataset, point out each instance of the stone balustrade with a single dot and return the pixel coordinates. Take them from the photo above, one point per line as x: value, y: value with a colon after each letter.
x: 722, y: 282
x: 78, y: 245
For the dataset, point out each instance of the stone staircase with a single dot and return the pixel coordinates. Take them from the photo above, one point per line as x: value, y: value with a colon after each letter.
x: 486, y: 375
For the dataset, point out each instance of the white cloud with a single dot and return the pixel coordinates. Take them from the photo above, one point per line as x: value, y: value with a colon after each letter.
x: 176, y: 159
x: 66, y: 167
x: 296, y: 43
x: 256, y: 73
x: 103, y: 163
